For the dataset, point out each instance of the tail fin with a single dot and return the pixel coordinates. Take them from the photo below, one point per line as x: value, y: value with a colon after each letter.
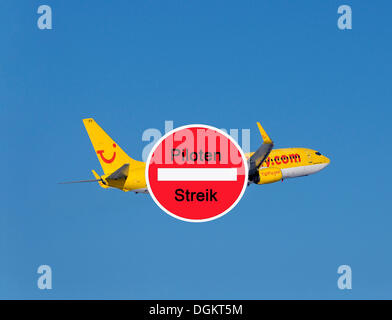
x: 110, y: 155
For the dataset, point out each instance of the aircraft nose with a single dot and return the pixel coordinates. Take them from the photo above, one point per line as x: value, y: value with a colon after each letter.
x: 327, y: 161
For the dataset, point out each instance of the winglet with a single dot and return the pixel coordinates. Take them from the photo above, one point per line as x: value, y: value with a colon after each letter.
x: 264, y: 135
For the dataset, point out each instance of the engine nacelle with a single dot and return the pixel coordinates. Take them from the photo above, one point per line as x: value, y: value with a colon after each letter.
x: 269, y: 175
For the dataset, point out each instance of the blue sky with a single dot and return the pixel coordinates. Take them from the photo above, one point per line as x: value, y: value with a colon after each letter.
x: 134, y: 64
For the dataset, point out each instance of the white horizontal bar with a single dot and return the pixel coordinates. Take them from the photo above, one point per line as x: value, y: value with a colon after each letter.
x: 197, y: 174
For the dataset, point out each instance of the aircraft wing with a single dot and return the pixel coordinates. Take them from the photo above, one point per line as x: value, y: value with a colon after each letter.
x: 255, y: 161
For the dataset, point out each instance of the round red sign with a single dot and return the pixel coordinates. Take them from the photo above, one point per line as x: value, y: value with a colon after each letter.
x: 196, y: 173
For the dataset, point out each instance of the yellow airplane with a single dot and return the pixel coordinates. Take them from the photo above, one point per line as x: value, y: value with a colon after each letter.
x: 266, y: 165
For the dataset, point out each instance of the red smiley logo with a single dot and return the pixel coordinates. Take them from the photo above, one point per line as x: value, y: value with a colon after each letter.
x: 100, y: 152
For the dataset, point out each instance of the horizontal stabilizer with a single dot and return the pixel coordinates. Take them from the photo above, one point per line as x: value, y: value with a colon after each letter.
x: 120, y: 173
x: 101, y: 182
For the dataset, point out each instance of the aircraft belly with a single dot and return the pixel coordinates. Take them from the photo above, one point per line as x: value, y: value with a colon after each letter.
x: 302, y: 170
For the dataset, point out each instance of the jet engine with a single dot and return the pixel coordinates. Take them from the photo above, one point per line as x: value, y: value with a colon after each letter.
x: 269, y: 175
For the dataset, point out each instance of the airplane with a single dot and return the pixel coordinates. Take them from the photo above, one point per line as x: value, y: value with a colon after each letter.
x: 266, y: 165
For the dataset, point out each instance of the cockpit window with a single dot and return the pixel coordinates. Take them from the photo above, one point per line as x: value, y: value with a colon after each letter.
x: 318, y: 153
